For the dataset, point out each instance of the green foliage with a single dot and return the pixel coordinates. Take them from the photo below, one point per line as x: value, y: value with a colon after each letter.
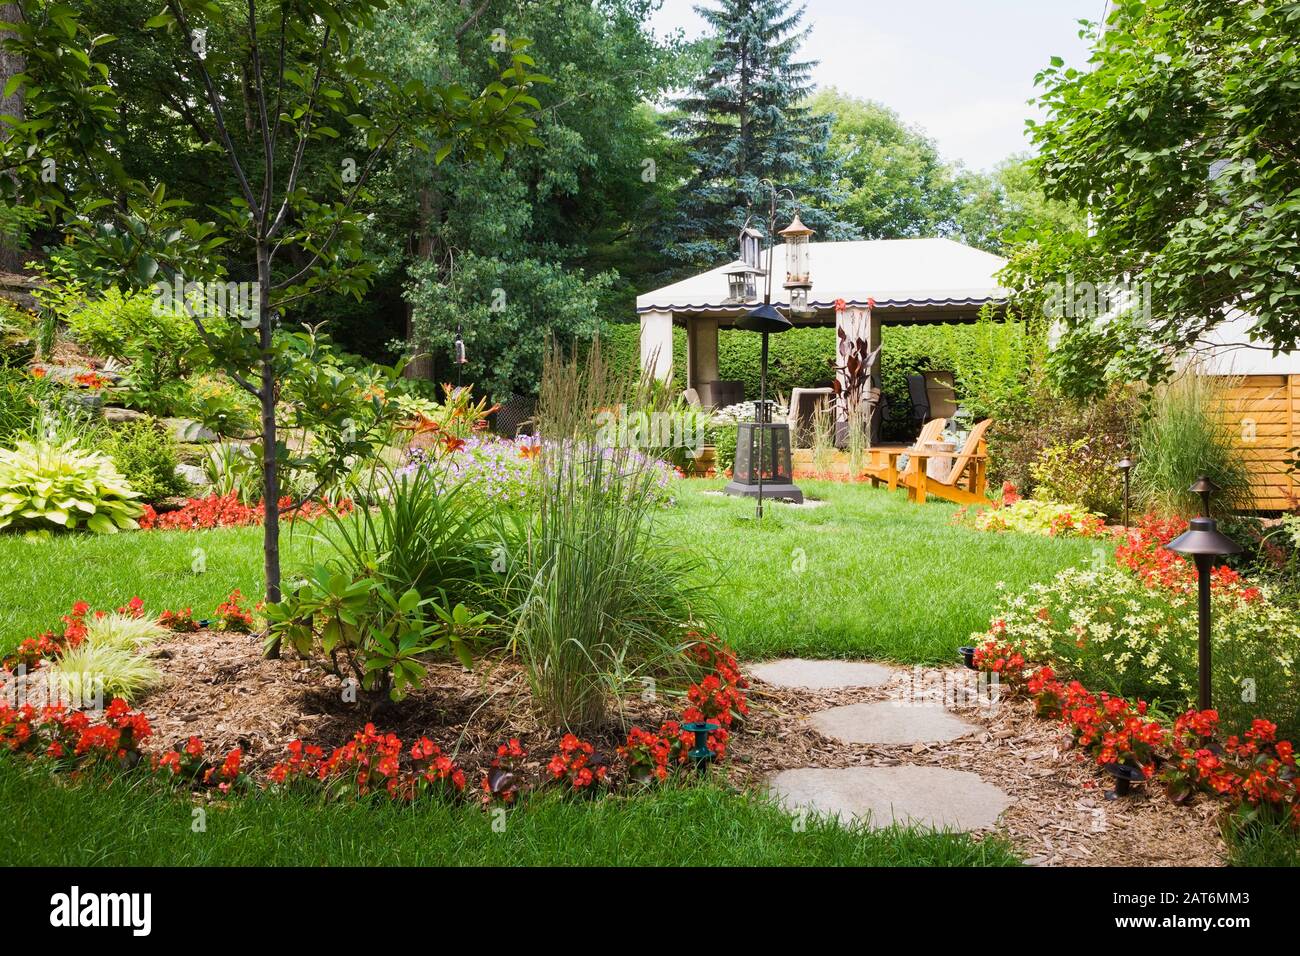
x: 146, y: 455
x: 899, y: 187
x: 17, y: 330
x: 991, y: 361
x: 1079, y: 472
x: 46, y: 486
x: 123, y: 630
x: 600, y: 599
x: 1175, y: 138
x: 217, y: 403
x: 1024, y: 431
x: 507, y: 313
x: 22, y: 397
x: 1185, y: 437
x: 1115, y: 633
x: 724, y: 439
x: 161, y: 347
x: 392, y: 584
x: 744, y: 119
x: 359, y: 629
x: 1031, y: 516
x: 1005, y: 207
x: 89, y: 669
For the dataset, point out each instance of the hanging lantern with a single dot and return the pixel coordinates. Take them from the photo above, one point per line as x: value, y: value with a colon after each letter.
x: 742, y: 284
x: 798, y: 273
x: 799, y: 300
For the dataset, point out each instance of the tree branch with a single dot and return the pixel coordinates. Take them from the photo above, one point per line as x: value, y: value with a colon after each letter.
x: 304, y: 129
x: 268, y: 157
x: 214, y: 100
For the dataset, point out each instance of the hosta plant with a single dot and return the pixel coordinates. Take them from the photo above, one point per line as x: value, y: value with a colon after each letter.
x: 47, y: 486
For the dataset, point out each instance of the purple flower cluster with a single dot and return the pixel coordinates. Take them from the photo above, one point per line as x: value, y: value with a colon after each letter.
x: 505, y: 471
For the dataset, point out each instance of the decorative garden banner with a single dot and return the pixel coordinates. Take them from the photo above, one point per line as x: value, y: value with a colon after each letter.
x: 853, y: 362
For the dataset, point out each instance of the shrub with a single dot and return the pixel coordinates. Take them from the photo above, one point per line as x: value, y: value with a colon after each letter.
x: 46, y: 486
x: 391, y: 585
x: 358, y: 628
x: 216, y: 402
x: 724, y: 442
x: 146, y: 455
x: 1080, y: 472
x: 1022, y: 432
x: 1113, y: 631
x: 159, y: 348
x: 21, y: 397
x: 1039, y: 517
x: 1186, y: 437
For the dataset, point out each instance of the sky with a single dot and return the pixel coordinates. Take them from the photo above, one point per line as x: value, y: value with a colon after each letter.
x: 959, y: 69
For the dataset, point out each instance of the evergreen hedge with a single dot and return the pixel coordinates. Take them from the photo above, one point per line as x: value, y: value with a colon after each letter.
x: 802, y: 358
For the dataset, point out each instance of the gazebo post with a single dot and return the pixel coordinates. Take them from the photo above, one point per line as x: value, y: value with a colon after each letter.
x: 701, y: 350
x: 657, y: 344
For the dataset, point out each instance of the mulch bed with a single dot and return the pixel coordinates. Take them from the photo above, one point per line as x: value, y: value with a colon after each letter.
x: 218, y: 686
x: 1060, y: 816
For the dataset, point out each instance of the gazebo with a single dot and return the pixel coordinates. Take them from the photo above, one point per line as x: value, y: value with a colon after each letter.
x: 874, y: 281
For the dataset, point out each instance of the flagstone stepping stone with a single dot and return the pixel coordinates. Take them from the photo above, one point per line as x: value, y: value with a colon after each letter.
x: 931, y: 797
x: 821, y: 675
x: 889, y: 722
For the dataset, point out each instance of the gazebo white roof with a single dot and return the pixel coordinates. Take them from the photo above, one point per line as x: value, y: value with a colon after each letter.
x: 896, y: 273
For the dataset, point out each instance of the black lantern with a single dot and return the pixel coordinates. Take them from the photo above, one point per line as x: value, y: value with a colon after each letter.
x: 1125, y: 465
x: 764, y: 461
x: 763, y: 446
x: 1203, y: 542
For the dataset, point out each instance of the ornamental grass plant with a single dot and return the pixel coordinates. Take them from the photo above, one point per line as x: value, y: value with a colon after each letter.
x: 601, y: 599
x: 1187, y: 435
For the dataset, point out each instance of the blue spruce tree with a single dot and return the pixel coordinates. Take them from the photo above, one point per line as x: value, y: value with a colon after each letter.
x: 742, y: 121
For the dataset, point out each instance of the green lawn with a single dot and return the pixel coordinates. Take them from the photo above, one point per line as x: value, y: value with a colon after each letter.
x: 54, y: 823
x: 866, y: 574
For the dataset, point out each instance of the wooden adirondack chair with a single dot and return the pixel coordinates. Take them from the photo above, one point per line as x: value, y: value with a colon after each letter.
x: 967, y: 469
x: 883, y: 467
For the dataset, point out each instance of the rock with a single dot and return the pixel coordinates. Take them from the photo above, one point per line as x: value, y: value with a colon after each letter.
x: 193, y: 474
x: 119, y: 416
x: 888, y: 722
x: 188, y: 430
x: 821, y: 675
x: 932, y: 797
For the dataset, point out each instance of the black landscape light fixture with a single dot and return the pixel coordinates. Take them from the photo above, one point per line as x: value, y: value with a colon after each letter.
x: 1203, y: 542
x: 763, y: 446
x: 1125, y: 465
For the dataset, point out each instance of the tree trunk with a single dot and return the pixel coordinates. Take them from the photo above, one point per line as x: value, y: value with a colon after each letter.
x: 271, y: 483
x: 421, y: 365
x: 12, y: 257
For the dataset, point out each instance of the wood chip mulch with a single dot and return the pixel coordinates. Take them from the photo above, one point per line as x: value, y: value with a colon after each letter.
x: 218, y: 686
x: 1060, y: 816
